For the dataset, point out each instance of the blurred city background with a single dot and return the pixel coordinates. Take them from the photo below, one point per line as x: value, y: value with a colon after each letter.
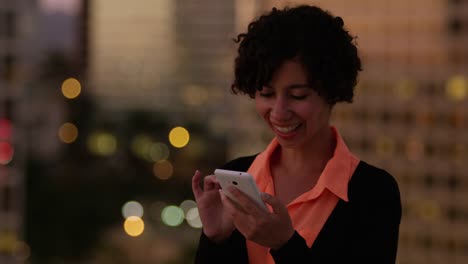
x: 107, y: 107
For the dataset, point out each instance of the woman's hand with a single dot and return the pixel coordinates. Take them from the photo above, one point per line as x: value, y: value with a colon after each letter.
x: 217, y: 225
x: 269, y: 229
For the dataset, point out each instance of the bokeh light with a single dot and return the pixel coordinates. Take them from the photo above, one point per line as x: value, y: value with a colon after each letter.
x: 132, y: 208
x: 6, y: 152
x: 457, y: 87
x: 71, y: 88
x: 172, y: 215
x: 68, y: 133
x: 189, y: 207
x: 163, y: 169
x: 193, y: 218
x: 158, y: 151
x: 141, y: 145
x: 102, y: 143
x: 186, y: 205
x: 179, y: 137
x: 146, y: 148
x: 134, y: 226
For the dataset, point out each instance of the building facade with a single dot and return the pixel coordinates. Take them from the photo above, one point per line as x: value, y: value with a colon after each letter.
x: 17, y: 62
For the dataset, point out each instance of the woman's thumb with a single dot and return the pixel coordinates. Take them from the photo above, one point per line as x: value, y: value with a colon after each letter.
x: 276, y: 205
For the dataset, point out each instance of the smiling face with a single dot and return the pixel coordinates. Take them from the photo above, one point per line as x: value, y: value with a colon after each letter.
x: 294, y: 111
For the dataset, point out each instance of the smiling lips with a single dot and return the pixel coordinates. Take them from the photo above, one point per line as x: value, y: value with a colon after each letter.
x: 284, y: 130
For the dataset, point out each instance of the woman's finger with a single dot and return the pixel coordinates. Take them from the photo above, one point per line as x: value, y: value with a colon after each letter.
x: 210, y: 183
x: 245, y: 202
x: 231, y: 206
x: 196, y: 189
x: 276, y: 205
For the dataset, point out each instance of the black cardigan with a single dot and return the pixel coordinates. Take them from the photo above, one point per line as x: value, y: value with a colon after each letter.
x: 363, y: 230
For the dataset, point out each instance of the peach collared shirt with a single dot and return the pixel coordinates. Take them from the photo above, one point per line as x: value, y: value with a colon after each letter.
x: 310, y: 210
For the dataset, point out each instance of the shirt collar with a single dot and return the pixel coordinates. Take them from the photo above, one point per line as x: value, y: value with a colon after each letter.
x: 335, y: 176
x: 339, y: 169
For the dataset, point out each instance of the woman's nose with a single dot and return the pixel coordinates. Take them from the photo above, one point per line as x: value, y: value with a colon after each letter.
x: 280, y: 109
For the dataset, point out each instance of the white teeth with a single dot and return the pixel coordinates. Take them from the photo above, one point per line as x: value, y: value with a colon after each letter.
x: 286, y: 129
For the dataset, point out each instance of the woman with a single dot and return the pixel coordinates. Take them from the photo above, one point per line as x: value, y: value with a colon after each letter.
x: 326, y: 205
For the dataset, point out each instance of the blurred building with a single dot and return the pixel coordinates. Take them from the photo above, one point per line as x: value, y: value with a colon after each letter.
x: 172, y: 60
x: 37, y: 42
x: 410, y: 115
x: 174, y: 57
x: 159, y: 55
x: 17, y: 61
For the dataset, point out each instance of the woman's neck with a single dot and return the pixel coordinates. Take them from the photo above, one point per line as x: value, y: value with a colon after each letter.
x: 310, y: 157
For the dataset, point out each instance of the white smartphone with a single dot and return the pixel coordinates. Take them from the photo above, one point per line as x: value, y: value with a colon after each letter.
x: 242, y: 181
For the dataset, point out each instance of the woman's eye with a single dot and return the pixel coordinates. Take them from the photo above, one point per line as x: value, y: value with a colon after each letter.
x: 298, y: 97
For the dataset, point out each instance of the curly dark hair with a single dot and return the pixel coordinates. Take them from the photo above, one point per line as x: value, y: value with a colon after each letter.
x: 317, y: 38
